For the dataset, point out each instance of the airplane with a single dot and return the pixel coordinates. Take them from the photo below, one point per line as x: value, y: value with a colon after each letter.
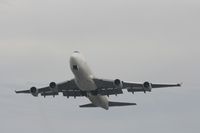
x: 97, y: 90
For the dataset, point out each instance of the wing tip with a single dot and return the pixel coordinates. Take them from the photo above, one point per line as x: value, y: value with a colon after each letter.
x: 17, y: 91
x: 180, y: 84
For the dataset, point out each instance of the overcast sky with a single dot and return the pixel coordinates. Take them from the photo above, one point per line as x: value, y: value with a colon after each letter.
x: 134, y: 40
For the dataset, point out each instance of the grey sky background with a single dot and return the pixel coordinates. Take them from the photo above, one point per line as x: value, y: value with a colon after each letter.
x: 134, y: 40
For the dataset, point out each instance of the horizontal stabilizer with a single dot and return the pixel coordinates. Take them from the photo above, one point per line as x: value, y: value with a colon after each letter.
x: 111, y: 104
x: 87, y: 105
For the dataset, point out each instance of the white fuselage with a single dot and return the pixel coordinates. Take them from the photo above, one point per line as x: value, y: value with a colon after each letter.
x: 84, y: 80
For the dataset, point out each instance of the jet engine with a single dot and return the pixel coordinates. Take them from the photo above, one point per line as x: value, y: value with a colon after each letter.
x: 34, y: 91
x: 53, y: 87
x: 147, y: 86
x: 118, y: 83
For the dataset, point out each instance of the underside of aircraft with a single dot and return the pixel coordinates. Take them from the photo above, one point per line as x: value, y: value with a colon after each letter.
x: 97, y: 90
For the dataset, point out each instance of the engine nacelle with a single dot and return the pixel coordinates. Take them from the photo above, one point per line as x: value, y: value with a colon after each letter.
x: 147, y: 86
x: 118, y: 83
x: 34, y: 91
x: 53, y: 87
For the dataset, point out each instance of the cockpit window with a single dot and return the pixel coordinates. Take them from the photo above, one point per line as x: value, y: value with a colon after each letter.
x: 75, y: 67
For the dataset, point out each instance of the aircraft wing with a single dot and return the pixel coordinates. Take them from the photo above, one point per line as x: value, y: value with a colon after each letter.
x: 109, y: 85
x: 104, y: 87
x: 68, y: 88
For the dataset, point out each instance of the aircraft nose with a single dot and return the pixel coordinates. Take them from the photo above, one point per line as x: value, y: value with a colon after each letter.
x: 72, y: 59
x: 75, y: 57
x: 76, y: 52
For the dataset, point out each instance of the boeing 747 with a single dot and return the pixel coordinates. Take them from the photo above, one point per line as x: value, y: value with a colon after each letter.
x: 85, y: 84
